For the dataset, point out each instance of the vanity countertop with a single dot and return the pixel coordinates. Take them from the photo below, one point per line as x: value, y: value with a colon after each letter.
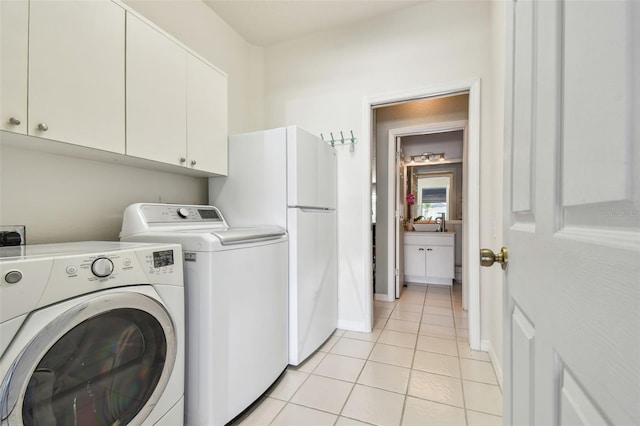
x: 430, y: 233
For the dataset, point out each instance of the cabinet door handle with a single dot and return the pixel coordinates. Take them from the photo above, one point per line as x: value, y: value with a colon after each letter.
x: 43, y: 127
x: 193, y: 162
x: 420, y: 249
x: 14, y: 121
x: 182, y: 159
x: 429, y: 249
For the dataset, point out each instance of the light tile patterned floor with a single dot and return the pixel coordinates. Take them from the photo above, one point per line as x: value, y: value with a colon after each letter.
x: 415, y: 368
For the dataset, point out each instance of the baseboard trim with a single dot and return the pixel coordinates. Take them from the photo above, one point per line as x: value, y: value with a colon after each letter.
x: 353, y: 326
x: 486, y: 346
x: 382, y: 297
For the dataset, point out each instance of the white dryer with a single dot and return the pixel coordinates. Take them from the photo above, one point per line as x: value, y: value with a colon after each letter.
x: 236, y: 286
x: 92, y: 333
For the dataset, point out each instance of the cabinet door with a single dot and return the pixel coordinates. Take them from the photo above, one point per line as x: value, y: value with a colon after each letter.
x: 156, y: 95
x: 76, y: 73
x: 440, y: 261
x: 414, y: 261
x: 206, y: 117
x: 14, y: 48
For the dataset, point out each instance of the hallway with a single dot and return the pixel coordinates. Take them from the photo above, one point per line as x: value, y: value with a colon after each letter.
x: 414, y: 368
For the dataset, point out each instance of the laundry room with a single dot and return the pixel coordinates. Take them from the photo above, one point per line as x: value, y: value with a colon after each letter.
x: 113, y: 148
x: 83, y: 199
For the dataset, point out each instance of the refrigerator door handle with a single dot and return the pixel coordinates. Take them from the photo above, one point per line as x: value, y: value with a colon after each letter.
x: 313, y: 209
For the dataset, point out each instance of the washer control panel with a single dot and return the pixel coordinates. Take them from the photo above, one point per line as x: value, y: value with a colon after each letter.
x: 117, y: 266
x: 140, y: 218
x: 100, y: 267
x: 40, y: 275
x: 164, y: 213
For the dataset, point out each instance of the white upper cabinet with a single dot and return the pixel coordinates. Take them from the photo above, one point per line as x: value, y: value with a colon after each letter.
x: 156, y: 95
x: 93, y: 74
x: 176, y: 103
x: 14, y: 42
x: 206, y: 117
x: 76, y: 73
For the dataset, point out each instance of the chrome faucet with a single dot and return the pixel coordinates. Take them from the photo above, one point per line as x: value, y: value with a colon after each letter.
x: 442, y: 227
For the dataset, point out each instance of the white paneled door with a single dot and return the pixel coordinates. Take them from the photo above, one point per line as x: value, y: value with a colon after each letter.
x: 572, y: 213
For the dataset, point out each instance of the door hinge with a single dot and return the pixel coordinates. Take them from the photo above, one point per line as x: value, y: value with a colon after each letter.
x: 398, y: 155
x: 397, y: 272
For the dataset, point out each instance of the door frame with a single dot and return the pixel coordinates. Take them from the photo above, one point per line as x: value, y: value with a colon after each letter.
x: 397, y: 253
x: 392, y: 202
x: 472, y: 216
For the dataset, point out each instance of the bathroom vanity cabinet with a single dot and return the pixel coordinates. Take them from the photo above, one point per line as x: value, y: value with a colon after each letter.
x: 429, y: 257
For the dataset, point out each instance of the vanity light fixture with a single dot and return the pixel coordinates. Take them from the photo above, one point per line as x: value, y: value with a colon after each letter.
x: 427, y: 156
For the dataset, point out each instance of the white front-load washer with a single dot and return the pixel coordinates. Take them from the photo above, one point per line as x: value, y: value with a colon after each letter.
x: 92, y: 333
x: 236, y: 286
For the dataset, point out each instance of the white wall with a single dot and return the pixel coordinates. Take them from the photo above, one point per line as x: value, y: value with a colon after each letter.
x: 62, y: 198
x: 319, y: 83
x: 70, y: 199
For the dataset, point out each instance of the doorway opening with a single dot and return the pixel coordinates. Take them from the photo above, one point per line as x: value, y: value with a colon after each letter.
x: 408, y: 114
x: 437, y: 187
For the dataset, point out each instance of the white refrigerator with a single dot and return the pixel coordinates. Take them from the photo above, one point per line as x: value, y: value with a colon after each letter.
x: 287, y: 177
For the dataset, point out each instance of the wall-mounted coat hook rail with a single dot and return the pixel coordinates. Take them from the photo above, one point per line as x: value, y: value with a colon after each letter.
x: 341, y: 141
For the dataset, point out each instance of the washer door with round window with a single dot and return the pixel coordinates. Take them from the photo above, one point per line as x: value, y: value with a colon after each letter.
x: 104, y: 361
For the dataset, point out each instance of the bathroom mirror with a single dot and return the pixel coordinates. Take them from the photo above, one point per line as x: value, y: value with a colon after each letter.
x: 437, y: 189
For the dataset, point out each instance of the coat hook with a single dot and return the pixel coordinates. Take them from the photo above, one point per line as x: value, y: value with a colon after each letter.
x: 332, y: 139
x: 341, y: 137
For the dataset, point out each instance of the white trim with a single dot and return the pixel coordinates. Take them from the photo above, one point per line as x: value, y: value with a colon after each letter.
x: 471, y: 222
x: 486, y: 346
x: 392, y: 202
x: 382, y: 297
x: 367, y: 241
x: 358, y: 326
x: 447, y: 126
x: 398, y: 169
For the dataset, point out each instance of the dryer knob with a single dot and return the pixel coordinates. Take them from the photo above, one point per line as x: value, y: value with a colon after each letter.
x: 183, y: 213
x: 102, y: 267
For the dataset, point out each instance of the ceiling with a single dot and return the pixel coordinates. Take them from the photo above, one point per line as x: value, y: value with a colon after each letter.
x: 267, y: 22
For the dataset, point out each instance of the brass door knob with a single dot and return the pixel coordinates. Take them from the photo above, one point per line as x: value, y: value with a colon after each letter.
x: 488, y: 258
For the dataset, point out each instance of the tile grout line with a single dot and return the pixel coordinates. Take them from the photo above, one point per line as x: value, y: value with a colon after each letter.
x: 464, y: 399
x: 368, y: 359
x: 413, y: 358
x: 355, y: 382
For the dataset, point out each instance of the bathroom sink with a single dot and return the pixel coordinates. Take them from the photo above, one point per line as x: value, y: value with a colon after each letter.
x: 425, y: 227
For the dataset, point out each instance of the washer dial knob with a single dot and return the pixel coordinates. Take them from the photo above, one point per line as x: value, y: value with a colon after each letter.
x: 183, y: 213
x: 102, y: 267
